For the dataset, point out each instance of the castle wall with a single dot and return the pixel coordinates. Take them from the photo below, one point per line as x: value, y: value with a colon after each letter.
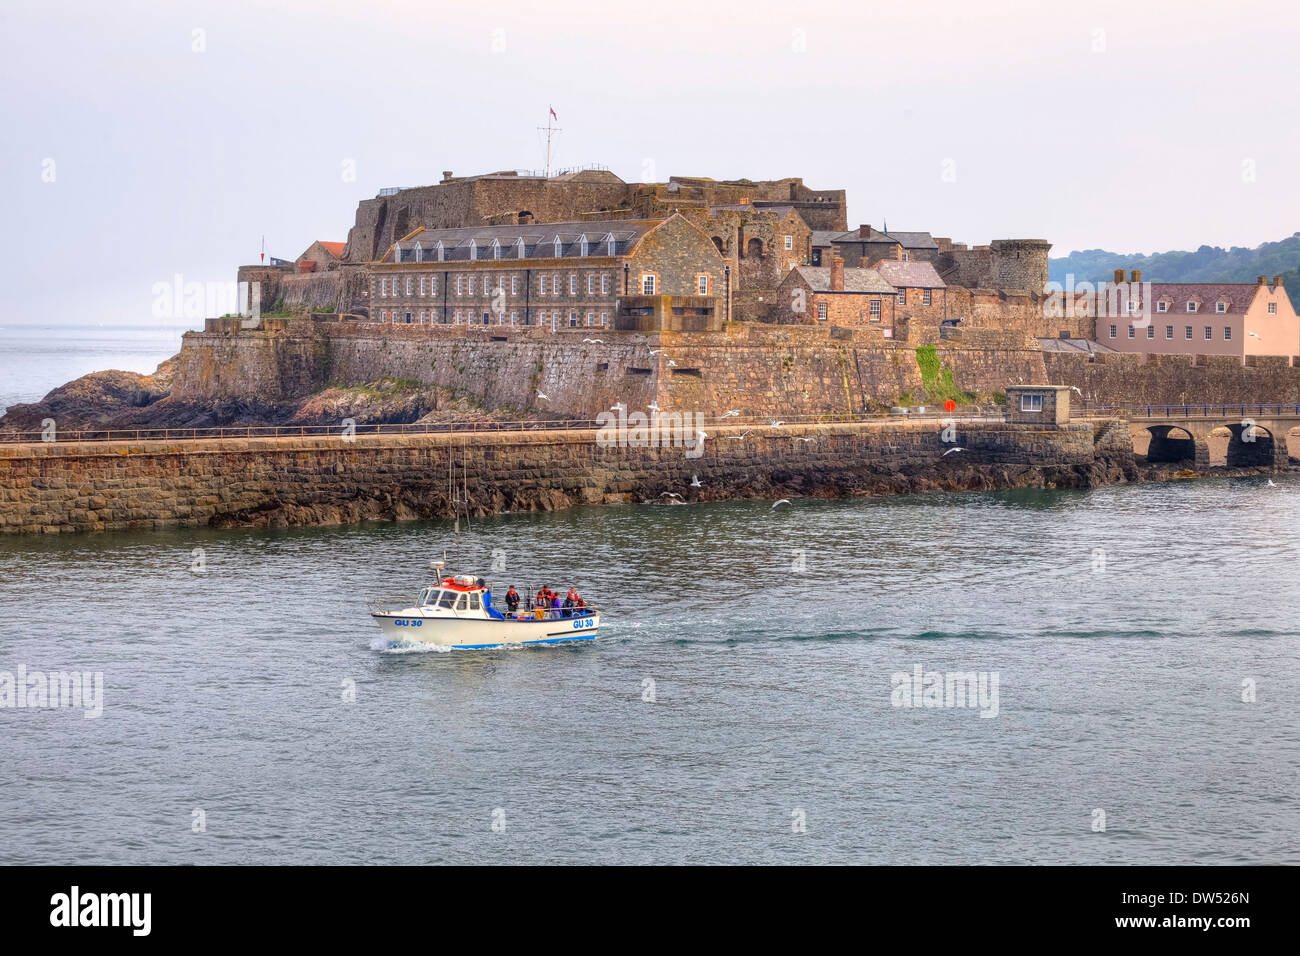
x: 1117, y: 379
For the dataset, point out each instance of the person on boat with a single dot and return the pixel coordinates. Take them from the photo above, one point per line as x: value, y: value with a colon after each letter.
x: 568, y: 603
x: 512, y: 600
x: 542, y: 599
x: 555, y: 603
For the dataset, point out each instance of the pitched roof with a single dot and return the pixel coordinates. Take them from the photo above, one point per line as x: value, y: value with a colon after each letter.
x: 910, y: 275
x: 1238, y: 295
x: 333, y: 248
x: 539, y: 240
x: 822, y: 238
x: 908, y: 240
x: 855, y: 280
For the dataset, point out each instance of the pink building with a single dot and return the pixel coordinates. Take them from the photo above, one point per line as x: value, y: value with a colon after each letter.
x: 1204, y: 318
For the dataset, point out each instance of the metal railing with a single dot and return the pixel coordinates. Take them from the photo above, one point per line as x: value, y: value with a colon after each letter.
x: 459, y: 427
x: 1204, y: 410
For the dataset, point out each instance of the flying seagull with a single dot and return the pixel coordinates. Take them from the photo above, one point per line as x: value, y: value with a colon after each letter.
x: 655, y: 351
x: 1256, y: 334
x: 783, y: 501
x: 653, y: 406
x: 1272, y: 483
x: 601, y: 341
x: 805, y: 439
x: 1075, y: 388
x: 695, y: 481
x: 774, y: 423
x: 729, y: 414
x: 543, y: 396
x: 669, y: 494
x: 950, y: 451
x: 740, y: 437
x: 672, y: 364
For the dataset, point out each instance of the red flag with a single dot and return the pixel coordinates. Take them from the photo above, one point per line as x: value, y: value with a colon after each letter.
x: 553, y: 112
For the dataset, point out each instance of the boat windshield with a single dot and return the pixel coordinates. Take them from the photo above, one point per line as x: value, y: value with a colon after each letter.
x: 447, y: 599
x: 424, y: 598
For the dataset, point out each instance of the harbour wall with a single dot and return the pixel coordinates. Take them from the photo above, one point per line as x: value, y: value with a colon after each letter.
x: 275, y: 482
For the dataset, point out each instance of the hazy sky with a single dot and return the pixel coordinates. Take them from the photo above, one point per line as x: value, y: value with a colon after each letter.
x: 136, y: 148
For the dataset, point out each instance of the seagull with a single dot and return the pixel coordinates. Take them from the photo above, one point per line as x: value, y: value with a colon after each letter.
x: 783, y: 501
x: 600, y: 341
x: 620, y: 407
x: 729, y: 414
x: 1256, y: 334
x: 669, y: 494
x: 543, y: 396
x: 653, y: 406
x: 805, y: 439
x: 1075, y: 388
x: 695, y: 482
x: 1272, y: 483
x: 672, y: 364
x: 655, y: 351
x: 740, y: 437
x: 700, y: 436
x: 950, y: 451
x: 774, y: 423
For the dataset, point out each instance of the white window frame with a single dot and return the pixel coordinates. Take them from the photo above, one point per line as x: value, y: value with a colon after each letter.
x: 1220, y: 308
x: 1031, y: 403
x: 648, y: 283
x: 789, y: 242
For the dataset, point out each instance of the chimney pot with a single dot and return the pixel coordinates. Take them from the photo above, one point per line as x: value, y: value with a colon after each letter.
x: 1277, y: 283
x: 1135, y: 275
x: 1119, y: 276
x: 864, y: 232
x: 837, y: 274
x: 446, y: 174
x: 1261, y: 280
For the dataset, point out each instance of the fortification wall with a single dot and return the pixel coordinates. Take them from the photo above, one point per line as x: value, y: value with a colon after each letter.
x: 51, y: 488
x: 312, y: 289
x: 1116, y: 379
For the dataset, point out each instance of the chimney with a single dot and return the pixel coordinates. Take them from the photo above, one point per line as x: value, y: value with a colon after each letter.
x: 1261, y: 280
x: 864, y: 232
x: 1135, y: 275
x: 896, y: 252
x: 446, y: 175
x: 1119, y: 276
x: 837, y: 273
x: 1277, y: 283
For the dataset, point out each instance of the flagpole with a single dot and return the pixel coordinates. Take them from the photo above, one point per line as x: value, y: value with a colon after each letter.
x: 549, y: 130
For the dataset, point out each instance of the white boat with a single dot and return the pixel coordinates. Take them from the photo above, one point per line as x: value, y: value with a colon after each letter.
x: 457, y: 612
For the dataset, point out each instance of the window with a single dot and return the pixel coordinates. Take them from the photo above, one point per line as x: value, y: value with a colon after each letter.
x: 462, y: 602
x: 902, y: 297
x: 573, y: 283
x: 874, y: 310
x: 1132, y: 306
x: 473, y: 249
x: 647, y: 284
x: 1272, y: 308
x: 514, y: 285
x: 926, y: 298
x: 583, y: 250
x: 591, y: 284
x: 1169, y: 331
x: 496, y: 248
x: 513, y: 316
x: 559, y: 251
x: 474, y: 604
x: 789, y: 242
x: 905, y: 257
x: 383, y: 287
x: 487, y: 318
x: 822, y: 311
x: 1220, y: 307
x: 1187, y: 332
x: 433, y: 285
x: 1132, y: 332
x: 1151, y: 331
x: 408, y: 318
x: 604, y: 318
x: 1192, y: 306
x: 519, y: 248
x: 1209, y: 333
x: 555, y: 283
x: 458, y: 316
x: 458, y: 284
x: 1227, y: 333
x: 541, y: 285
x: 573, y: 320
x: 703, y: 284
x: 1162, y: 306
x: 590, y: 316
x: 604, y: 283
x: 1031, y: 403
x: 421, y: 285
x: 1112, y: 331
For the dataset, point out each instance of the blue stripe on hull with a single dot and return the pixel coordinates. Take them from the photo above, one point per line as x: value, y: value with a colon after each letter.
x: 565, y: 636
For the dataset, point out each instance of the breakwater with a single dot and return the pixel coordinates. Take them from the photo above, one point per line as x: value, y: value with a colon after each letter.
x: 105, y: 486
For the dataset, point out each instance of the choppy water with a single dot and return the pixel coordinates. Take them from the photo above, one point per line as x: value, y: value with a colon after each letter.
x: 1119, y: 689
x: 35, y: 359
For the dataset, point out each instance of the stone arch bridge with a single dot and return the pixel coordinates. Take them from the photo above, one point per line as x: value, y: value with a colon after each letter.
x: 1258, y: 433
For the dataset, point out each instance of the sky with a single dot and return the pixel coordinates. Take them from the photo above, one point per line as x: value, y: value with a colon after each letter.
x: 150, y: 141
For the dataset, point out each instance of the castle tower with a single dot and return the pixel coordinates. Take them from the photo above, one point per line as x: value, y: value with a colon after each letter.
x: 1020, y: 264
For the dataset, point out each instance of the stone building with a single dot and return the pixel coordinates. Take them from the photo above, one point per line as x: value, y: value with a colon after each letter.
x: 559, y: 275
x: 867, y: 245
x: 320, y: 256
x: 836, y: 295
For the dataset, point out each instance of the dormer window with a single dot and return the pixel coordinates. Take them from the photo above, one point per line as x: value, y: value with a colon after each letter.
x: 496, y: 249
x: 519, y: 247
x: 1162, y: 305
x: 609, y: 244
x: 583, y: 248
x: 473, y: 249
x: 1220, y: 307
x: 559, y: 247
x: 1192, y: 305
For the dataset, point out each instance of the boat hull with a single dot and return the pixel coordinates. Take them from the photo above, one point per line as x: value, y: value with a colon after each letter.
x: 410, y: 626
